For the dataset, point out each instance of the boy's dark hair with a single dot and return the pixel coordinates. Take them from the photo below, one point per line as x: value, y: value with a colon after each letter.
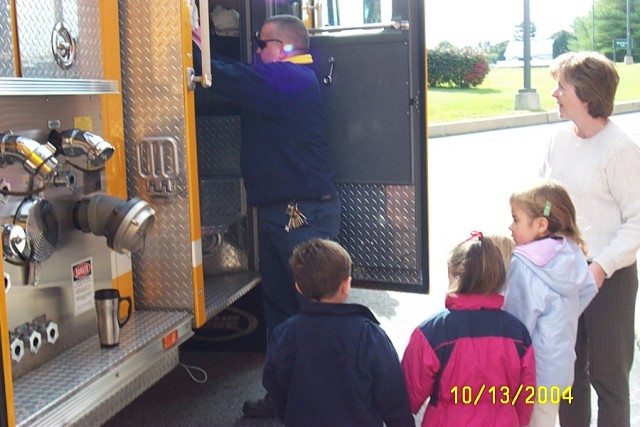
x: 319, y: 267
x: 476, y: 266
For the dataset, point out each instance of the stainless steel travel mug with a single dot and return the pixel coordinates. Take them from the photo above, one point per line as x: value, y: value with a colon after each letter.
x: 109, y: 323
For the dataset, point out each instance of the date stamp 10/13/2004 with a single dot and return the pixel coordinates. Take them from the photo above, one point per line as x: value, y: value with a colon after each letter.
x: 505, y: 395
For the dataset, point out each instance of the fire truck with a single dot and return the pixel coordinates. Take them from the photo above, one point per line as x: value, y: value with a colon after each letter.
x: 119, y: 170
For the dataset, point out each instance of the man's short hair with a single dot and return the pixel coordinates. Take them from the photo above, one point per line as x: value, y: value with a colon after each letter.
x: 319, y: 267
x: 294, y: 29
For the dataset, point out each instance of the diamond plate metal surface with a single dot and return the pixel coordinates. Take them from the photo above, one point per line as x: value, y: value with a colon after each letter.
x: 224, y: 252
x: 379, y: 230
x: 223, y: 290
x: 36, y: 21
x: 223, y: 216
x: 7, y: 68
x: 111, y: 406
x: 154, y: 106
x: 223, y: 211
x: 44, y: 388
x: 218, y: 145
x: 222, y: 202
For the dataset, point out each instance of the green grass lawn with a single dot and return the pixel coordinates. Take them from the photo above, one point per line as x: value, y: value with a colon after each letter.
x: 496, y: 96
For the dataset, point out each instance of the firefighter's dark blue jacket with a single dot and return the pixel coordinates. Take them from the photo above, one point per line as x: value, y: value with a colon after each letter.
x: 284, y: 152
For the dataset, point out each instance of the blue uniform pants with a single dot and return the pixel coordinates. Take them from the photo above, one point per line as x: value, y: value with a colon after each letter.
x: 281, y: 300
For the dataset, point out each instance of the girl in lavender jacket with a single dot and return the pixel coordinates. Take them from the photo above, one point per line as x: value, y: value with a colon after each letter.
x: 548, y: 287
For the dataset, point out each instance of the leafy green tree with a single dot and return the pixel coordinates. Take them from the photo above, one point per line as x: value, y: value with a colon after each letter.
x: 561, y: 42
x: 493, y: 52
x: 445, y: 45
x: 610, y: 23
x: 519, y: 34
x: 500, y: 48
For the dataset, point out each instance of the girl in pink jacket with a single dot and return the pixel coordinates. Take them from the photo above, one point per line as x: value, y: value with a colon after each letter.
x: 472, y: 362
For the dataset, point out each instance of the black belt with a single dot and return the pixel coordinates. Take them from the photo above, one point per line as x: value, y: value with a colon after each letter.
x: 325, y: 198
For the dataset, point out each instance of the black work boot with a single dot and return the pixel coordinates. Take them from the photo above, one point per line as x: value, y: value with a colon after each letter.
x: 260, y: 408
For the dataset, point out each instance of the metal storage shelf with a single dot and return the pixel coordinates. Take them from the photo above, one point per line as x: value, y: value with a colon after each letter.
x: 87, y: 377
x: 223, y: 290
x: 19, y: 86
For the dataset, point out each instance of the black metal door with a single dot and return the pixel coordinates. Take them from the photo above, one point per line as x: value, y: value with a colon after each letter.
x: 373, y: 82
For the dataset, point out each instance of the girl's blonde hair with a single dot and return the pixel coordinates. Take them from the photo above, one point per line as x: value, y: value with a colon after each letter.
x: 550, y: 200
x: 476, y: 266
x: 505, y: 244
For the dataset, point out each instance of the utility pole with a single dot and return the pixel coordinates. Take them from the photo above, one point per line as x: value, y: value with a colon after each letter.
x: 593, y: 25
x: 527, y: 98
x: 628, y: 58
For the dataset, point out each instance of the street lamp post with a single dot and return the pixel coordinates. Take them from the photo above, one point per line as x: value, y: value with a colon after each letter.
x: 593, y: 25
x: 628, y: 58
x: 527, y: 98
x: 526, y: 46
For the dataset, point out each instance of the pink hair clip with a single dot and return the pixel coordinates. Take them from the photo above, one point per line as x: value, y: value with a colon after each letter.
x: 474, y: 235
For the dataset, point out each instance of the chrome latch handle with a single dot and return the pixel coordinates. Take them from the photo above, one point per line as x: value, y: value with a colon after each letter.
x: 328, y: 79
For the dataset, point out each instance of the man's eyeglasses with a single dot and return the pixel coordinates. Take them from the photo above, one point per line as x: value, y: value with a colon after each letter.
x: 263, y: 43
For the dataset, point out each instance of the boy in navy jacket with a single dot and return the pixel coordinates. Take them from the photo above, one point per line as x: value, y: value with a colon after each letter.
x: 332, y: 364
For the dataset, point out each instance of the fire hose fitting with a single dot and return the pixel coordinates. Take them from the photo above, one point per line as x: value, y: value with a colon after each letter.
x: 30, y: 337
x: 76, y: 142
x: 47, y: 328
x: 37, y: 159
x: 34, y: 338
x: 17, y: 347
x: 125, y: 223
x: 51, y: 332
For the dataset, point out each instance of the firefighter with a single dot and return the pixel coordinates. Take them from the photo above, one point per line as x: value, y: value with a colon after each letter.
x: 284, y: 160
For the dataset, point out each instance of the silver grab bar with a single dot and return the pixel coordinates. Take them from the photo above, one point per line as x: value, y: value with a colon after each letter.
x: 396, y: 25
x: 206, y: 79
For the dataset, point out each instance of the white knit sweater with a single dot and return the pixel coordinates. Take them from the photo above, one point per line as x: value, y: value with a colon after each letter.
x: 602, y: 175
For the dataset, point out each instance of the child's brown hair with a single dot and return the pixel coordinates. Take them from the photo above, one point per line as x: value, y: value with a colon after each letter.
x: 319, y: 267
x: 476, y: 266
x: 549, y: 199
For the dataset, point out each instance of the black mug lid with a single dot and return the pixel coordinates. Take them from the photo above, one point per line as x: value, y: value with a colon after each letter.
x: 107, y: 294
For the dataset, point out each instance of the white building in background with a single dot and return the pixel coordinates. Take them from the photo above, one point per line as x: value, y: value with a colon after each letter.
x: 541, y: 53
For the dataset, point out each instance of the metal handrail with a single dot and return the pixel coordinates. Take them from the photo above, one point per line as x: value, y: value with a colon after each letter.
x: 206, y: 79
x: 395, y: 25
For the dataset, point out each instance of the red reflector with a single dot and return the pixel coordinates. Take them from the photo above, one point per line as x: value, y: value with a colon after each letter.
x: 170, y: 340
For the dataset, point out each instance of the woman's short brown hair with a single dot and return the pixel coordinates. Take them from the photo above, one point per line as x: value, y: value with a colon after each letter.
x: 594, y: 76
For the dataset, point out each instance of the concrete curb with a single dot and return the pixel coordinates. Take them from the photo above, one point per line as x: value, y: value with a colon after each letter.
x: 511, y: 121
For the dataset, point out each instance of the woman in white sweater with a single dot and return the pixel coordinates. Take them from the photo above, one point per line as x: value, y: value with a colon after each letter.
x: 599, y: 165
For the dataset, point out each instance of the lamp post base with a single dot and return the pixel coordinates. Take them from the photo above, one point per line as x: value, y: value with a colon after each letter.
x: 527, y: 99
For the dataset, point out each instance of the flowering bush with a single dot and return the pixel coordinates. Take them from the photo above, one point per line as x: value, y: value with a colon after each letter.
x: 456, y: 67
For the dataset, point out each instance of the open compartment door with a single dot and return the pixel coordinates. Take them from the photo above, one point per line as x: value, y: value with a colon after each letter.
x: 373, y: 82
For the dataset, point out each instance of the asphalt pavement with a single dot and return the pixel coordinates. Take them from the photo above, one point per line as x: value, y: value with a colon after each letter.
x: 471, y: 176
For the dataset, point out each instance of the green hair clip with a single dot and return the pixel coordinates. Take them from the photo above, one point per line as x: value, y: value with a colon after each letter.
x: 547, y: 208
